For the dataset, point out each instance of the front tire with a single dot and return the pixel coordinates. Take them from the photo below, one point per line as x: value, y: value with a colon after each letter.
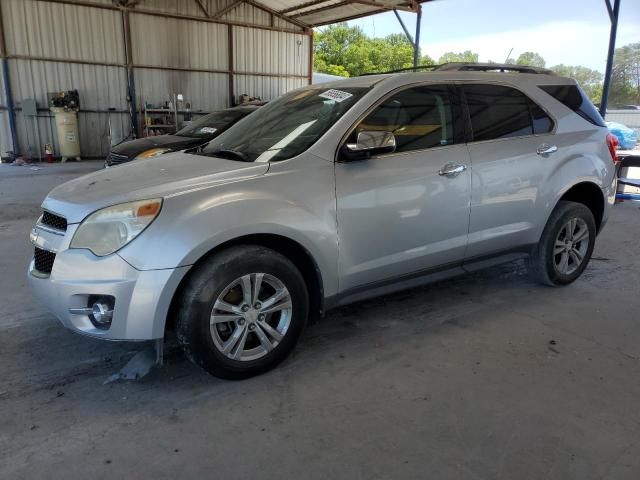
x: 242, y: 311
x: 565, y: 246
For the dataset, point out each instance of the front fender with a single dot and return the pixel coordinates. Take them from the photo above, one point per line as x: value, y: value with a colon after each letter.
x: 282, y: 202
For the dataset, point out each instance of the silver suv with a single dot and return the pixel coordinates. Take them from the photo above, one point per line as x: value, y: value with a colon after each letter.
x: 328, y: 195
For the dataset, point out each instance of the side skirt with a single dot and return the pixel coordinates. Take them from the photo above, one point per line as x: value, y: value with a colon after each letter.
x: 425, y: 277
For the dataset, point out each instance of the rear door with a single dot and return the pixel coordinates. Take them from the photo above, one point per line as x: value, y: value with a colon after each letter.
x: 508, y: 132
x: 400, y: 214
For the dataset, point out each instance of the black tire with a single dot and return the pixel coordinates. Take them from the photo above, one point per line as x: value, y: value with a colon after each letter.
x: 542, y: 263
x: 208, y: 281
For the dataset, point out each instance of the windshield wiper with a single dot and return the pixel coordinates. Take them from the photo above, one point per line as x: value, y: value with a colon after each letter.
x: 231, y: 155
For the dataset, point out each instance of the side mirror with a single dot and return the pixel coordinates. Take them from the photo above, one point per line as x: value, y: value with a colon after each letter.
x: 369, y: 143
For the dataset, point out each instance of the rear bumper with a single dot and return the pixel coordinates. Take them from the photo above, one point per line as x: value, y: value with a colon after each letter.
x: 609, y: 193
x: 142, y: 298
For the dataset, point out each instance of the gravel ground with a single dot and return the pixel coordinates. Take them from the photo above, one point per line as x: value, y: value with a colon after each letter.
x: 483, y: 377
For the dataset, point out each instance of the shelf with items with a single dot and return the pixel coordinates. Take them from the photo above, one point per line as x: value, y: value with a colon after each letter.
x: 168, y: 119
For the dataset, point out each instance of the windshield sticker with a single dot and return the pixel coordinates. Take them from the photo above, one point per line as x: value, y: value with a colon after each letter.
x: 208, y: 130
x: 337, y: 95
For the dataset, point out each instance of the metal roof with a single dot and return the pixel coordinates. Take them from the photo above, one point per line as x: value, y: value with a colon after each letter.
x: 313, y: 13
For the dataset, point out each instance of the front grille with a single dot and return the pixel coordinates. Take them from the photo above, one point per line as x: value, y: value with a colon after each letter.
x: 54, y: 221
x: 43, y: 260
x: 116, y: 159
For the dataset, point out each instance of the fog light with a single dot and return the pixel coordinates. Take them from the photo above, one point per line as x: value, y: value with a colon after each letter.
x: 101, y: 313
x: 101, y: 310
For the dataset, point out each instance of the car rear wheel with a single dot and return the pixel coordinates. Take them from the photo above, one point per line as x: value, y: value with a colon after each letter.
x: 566, y: 245
x: 242, y: 312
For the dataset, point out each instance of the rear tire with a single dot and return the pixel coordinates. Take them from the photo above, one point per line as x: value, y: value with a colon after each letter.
x: 242, y: 311
x: 566, y: 245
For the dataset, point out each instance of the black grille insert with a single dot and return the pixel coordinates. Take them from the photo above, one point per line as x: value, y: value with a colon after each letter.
x: 116, y: 159
x: 43, y: 260
x: 54, y: 221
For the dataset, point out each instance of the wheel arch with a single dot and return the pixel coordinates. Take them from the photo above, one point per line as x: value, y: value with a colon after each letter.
x: 590, y: 195
x: 287, y: 247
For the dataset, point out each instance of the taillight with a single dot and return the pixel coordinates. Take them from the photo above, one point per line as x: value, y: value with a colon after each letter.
x: 612, y: 143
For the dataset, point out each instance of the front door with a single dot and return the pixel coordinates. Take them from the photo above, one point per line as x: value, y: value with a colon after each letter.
x: 405, y: 212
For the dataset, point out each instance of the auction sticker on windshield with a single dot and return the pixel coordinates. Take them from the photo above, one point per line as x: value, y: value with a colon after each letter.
x: 337, y: 95
x: 208, y: 130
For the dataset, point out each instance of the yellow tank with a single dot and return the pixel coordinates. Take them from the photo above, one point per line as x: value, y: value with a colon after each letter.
x: 67, y: 128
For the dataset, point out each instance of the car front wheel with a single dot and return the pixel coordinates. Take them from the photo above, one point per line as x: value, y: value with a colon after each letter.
x: 242, y: 311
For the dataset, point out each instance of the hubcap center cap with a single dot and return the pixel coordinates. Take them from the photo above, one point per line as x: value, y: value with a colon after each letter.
x: 251, y: 315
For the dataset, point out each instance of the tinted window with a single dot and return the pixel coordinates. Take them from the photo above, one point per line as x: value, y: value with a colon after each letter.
x: 285, y: 127
x: 213, y: 123
x: 574, y: 98
x: 498, y: 112
x: 542, y: 123
x: 420, y: 118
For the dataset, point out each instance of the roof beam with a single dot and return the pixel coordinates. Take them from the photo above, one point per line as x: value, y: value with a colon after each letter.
x: 227, y: 9
x: 275, y: 13
x: 313, y: 3
x: 203, y: 8
x: 381, y: 7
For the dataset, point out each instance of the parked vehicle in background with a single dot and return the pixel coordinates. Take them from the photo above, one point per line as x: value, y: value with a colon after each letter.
x: 329, y: 195
x: 193, y: 135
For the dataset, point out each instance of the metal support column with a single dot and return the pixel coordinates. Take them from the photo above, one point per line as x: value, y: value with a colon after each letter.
x: 11, y: 111
x: 613, y: 16
x: 230, y: 59
x: 131, y: 84
x: 416, y: 45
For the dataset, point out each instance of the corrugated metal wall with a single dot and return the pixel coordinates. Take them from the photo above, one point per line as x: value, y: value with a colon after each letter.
x: 175, y: 48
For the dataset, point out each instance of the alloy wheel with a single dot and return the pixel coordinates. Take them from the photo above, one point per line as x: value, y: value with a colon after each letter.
x: 251, y: 316
x: 571, y: 246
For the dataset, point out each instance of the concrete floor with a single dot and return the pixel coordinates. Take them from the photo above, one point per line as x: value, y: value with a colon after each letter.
x: 484, y: 377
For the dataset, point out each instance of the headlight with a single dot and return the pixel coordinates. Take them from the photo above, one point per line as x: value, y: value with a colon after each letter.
x: 154, y: 152
x: 108, y: 230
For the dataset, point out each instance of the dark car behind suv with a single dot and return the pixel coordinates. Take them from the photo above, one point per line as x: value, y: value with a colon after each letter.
x: 193, y: 135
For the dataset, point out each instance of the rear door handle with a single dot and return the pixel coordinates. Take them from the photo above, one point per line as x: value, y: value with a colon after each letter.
x: 545, y: 149
x: 451, y: 170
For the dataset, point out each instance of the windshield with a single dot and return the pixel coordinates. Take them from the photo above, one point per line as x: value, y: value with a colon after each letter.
x: 213, y: 123
x: 285, y: 127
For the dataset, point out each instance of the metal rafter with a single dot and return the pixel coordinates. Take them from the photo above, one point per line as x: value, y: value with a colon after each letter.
x: 381, y: 7
x: 227, y: 9
x: 203, y: 8
x: 275, y: 13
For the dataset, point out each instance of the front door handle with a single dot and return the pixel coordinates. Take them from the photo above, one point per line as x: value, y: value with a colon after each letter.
x: 451, y: 170
x: 545, y: 149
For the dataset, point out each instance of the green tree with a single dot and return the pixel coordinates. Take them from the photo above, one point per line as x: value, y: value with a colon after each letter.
x: 344, y: 50
x: 589, y: 80
x: 532, y: 59
x: 467, y: 57
x: 625, y: 78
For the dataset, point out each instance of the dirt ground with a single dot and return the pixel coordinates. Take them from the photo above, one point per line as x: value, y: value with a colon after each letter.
x: 483, y: 377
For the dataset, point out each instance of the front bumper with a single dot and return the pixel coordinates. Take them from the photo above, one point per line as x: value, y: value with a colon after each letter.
x: 142, y: 298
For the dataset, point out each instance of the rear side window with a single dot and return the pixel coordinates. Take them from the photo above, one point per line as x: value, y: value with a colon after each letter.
x: 498, y: 112
x: 575, y: 99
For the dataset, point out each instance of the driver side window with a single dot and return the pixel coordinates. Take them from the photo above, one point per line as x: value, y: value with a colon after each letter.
x: 419, y: 117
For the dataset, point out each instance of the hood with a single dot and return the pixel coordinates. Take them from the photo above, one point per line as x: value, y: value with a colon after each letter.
x: 169, y: 174
x: 134, y: 148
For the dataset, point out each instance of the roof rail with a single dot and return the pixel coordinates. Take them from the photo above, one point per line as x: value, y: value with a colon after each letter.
x: 491, y: 67
x: 401, y: 70
x: 470, y: 67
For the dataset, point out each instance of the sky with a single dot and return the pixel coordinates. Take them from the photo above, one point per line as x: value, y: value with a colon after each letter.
x: 572, y: 32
